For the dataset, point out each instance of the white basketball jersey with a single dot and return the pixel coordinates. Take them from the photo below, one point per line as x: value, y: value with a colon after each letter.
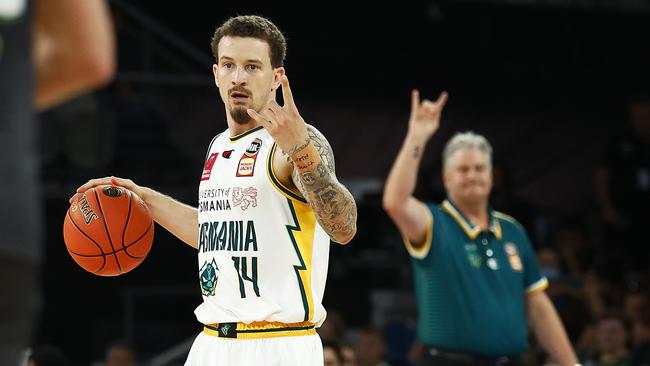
x: 262, y: 254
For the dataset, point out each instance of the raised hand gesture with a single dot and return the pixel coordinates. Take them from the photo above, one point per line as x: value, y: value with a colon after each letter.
x: 425, y: 115
x: 284, y: 123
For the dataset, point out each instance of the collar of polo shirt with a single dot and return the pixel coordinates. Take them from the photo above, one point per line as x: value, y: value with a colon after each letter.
x: 470, y: 229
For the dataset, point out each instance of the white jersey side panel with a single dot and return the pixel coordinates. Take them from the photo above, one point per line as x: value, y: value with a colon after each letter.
x: 262, y: 254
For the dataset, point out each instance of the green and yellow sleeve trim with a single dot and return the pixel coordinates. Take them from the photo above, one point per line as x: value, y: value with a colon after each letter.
x: 276, y: 182
x: 420, y: 251
x: 540, y: 285
x: 207, y: 154
x: 508, y: 218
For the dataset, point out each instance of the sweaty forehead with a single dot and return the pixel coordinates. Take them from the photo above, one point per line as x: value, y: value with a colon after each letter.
x: 244, y: 49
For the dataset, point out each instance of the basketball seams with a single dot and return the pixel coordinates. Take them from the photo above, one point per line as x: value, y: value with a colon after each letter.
x: 128, y: 217
x: 126, y: 225
x: 103, y: 255
x: 101, y: 211
x: 117, y: 251
x: 127, y: 246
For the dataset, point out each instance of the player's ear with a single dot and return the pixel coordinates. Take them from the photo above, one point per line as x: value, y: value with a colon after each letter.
x: 215, y: 71
x: 278, y: 73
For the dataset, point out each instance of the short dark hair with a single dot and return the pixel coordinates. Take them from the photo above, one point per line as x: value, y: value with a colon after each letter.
x: 253, y: 26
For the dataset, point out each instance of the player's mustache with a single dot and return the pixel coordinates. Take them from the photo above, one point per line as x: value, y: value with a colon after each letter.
x: 240, y: 90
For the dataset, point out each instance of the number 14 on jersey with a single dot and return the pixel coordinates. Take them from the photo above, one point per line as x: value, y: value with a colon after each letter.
x: 246, y: 268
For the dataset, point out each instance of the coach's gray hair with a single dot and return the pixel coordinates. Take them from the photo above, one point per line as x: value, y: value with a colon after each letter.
x: 466, y: 140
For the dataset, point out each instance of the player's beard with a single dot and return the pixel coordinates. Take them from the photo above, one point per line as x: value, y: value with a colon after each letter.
x: 239, y: 115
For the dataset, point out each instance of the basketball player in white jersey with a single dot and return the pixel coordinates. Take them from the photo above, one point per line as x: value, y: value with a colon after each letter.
x: 269, y: 203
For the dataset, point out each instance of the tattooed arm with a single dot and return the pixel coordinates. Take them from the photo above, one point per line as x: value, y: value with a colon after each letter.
x: 314, y: 176
x: 309, y: 164
x: 409, y: 214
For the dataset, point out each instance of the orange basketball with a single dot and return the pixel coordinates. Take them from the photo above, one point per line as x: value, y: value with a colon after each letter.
x: 108, y: 230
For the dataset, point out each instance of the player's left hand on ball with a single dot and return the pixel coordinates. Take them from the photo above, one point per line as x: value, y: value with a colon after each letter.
x: 284, y: 123
x: 126, y: 183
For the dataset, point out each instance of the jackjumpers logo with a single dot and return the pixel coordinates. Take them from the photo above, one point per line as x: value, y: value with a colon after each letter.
x: 209, y: 276
x: 247, y: 161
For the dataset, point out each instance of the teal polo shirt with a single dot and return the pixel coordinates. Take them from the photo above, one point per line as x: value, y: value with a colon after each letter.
x: 471, y: 285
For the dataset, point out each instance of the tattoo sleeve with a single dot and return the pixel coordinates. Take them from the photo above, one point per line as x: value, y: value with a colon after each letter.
x: 314, y: 175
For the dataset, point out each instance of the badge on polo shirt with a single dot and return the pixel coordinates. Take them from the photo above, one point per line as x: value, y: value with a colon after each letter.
x: 513, y: 256
x: 472, y: 255
x: 247, y: 161
x: 493, y: 264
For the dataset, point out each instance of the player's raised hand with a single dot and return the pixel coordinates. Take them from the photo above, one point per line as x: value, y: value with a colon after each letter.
x: 284, y: 123
x: 425, y: 115
x: 126, y: 183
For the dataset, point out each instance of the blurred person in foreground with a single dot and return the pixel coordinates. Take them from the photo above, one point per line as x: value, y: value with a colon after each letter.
x: 50, y: 52
x: 477, y: 280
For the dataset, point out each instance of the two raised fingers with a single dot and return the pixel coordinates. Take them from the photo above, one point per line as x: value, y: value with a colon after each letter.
x: 287, y: 95
x: 427, y: 104
x: 272, y: 111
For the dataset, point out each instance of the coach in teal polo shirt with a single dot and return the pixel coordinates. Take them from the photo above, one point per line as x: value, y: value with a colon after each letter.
x: 477, y: 280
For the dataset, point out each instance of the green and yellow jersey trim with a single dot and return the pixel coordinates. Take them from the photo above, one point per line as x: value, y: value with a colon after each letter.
x: 276, y: 182
x: 420, y: 251
x: 207, y: 154
x: 471, y: 230
x: 508, y: 218
x: 540, y: 285
x: 302, y: 238
x: 244, y: 134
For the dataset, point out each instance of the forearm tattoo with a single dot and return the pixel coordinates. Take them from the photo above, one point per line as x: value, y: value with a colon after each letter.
x: 332, y: 203
x: 416, y: 151
x: 300, y: 147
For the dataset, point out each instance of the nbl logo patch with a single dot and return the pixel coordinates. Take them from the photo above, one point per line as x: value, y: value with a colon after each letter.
x: 254, y: 147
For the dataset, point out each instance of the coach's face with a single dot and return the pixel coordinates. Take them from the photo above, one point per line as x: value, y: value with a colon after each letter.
x: 468, y: 176
x: 244, y: 75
